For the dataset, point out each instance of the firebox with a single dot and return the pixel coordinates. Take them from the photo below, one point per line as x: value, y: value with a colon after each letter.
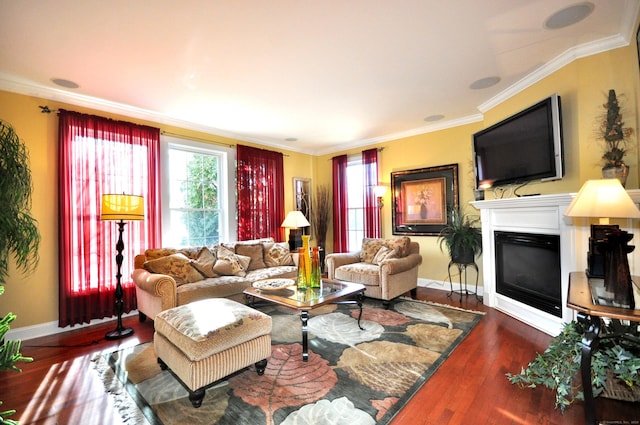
x: 528, y: 269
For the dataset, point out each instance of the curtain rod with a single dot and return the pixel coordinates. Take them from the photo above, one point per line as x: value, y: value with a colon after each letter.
x: 197, y: 139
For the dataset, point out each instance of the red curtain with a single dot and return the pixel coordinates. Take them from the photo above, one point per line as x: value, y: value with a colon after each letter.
x: 371, y: 210
x: 340, y: 213
x: 98, y: 156
x: 260, y: 188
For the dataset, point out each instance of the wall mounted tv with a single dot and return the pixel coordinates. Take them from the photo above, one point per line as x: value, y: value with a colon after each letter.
x: 524, y: 147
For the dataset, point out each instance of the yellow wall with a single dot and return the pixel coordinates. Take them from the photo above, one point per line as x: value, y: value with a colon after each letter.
x: 583, y: 85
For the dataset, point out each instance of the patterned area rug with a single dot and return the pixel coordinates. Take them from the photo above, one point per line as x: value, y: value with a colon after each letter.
x: 352, y: 377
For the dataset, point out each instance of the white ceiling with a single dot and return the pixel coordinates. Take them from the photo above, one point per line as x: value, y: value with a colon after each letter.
x: 330, y: 73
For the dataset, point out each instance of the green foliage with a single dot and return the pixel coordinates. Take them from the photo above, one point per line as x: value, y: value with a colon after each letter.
x: 461, y: 233
x: 18, y: 230
x: 201, y: 196
x: 4, y: 417
x: 558, y: 368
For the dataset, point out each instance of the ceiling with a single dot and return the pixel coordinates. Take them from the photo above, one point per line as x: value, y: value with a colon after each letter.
x: 310, y: 76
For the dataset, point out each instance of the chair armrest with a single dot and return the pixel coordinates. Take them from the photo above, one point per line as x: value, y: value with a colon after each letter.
x: 156, y: 284
x: 399, y: 265
x: 335, y: 260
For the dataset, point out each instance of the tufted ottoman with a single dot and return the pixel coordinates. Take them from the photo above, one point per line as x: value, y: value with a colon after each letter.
x: 205, y: 341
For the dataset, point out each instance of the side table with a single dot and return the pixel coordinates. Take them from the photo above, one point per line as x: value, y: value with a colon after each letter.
x: 462, y: 267
x: 590, y: 313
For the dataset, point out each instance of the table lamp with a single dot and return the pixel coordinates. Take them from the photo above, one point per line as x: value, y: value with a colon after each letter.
x: 121, y: 207
x: 608, y: 245
x: 294, y: 221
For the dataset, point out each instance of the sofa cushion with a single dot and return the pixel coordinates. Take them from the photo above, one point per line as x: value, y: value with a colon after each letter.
x: 177, y: 265
x: 255, y: 253
x: 229, y: 263
x: 364, y: 273
x: 385, y: 253
x: 277, y: 254
x: 204, y: 262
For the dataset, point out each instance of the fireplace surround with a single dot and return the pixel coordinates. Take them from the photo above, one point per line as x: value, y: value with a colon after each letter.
x: 540, y: 215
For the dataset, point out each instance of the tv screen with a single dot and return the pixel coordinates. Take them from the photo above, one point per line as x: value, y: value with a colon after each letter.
x: 524, y: 147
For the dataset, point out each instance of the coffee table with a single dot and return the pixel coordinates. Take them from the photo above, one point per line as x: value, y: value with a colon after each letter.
x: 330, y: 292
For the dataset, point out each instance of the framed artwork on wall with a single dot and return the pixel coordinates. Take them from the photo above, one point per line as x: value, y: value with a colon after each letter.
x: 423, y: 198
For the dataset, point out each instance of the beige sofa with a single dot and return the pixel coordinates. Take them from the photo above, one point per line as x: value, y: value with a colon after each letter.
x: 387, y: 267
x: 170, y: 277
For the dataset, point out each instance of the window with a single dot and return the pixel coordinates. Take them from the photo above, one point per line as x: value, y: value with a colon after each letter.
x: 355, y: 203
x: 197, y: 207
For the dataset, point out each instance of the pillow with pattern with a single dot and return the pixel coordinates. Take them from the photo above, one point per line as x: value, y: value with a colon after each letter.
x: 277, y: 254
x: 230, y: 264
x: 204, y: 262
x: 254, y: 252
x: 384, y: 253
x: 178, y: 266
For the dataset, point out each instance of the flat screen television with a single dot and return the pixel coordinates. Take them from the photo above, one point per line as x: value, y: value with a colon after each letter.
x: 524, y: 147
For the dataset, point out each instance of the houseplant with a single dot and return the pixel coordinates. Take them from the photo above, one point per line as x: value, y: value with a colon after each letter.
x: 19, y: 234
x: 616, y: 138
x: 558, y: 368
x: 462, y: 237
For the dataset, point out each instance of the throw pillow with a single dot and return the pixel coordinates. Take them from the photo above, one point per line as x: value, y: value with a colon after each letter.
x: 254, y: 252
x: 155, y: 253
x: 401, y: 244
x: 370, y: 247
x: 230, y: 263
x: 178, y: 266
x: 384, y: 253
x: 277, y: 255
x: 204, y: 262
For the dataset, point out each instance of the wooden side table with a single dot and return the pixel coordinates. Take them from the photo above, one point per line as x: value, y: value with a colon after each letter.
x: 591, y: 309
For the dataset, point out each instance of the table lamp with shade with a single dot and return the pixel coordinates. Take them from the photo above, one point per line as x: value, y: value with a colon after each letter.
x: 121, y: 208
x: 608, y: 245
x: 295, y: 220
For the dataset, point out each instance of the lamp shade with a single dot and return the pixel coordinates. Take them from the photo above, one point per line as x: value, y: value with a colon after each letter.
x: 122, y: 207
x: 380, y: 190
x: 295, y: 220
x: 603, y: 198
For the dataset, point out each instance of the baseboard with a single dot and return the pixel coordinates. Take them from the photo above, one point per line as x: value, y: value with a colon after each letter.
x: 51, y: 328
x: 445, y: 286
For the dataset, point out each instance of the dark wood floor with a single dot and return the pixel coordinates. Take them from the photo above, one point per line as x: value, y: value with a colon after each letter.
x: 469, y: 388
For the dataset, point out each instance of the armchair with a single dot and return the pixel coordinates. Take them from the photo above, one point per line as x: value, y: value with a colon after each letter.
x: 387, y: 267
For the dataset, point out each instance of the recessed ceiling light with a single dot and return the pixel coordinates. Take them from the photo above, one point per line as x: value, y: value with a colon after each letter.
x: 484, y: 83
x: 65, y: 83
x: 291, y: 139
x: 432, y: 118
x: 569, y: 15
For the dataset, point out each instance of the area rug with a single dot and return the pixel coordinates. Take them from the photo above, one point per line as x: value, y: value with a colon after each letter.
x: 353, y: 376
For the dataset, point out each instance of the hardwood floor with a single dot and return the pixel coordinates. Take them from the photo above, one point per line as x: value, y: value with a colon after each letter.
x: 59, y: 387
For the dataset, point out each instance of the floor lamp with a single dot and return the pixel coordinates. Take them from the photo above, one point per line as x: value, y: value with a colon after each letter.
x: 119, y: 208
x: 608, y: 245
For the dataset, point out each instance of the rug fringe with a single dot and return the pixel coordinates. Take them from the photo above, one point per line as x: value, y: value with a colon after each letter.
x: 127, y: 408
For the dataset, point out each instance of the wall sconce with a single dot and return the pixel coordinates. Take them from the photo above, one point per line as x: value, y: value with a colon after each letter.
x: 380, y: 190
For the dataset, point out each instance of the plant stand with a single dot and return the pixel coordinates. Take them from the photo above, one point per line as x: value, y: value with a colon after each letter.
x: 462, y: 267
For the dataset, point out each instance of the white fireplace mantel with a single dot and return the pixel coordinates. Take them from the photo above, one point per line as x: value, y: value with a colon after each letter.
x: 540, y: 214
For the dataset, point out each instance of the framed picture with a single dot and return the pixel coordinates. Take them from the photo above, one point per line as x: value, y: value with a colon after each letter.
x: 423, y: 198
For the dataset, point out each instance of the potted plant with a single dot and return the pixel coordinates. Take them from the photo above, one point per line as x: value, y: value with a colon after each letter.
x: 462, y: 236
x: 19, y: 235
x: 614, y: 368
x: 615, y: 136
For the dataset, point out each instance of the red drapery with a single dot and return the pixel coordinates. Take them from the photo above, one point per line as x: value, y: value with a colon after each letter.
x: 371, y: 210
x: 99, y: 156
x: 340, y: 213
x: 260, y: 187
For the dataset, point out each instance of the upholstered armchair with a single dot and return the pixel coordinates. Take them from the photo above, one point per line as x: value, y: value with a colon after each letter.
x: 387, y: 267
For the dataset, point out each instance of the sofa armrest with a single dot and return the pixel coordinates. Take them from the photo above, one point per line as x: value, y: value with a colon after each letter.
x: 157, y: 285
x: 335, y: 260
x: 399, y: 265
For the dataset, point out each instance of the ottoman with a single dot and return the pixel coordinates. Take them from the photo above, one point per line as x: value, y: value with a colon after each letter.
x: 205, y: 341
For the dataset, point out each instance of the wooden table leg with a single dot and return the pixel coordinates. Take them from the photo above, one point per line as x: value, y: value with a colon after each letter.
x: 589, y: 345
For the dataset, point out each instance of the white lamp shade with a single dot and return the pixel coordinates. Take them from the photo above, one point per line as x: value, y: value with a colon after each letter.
x: 380, y: 190
x: 295, y: 220
x: 604, y: 198
x: 122, y: 207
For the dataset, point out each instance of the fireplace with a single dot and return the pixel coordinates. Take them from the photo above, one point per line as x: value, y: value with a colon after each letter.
x: 528, y: 269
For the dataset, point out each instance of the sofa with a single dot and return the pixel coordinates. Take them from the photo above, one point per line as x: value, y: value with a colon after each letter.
x: 169, y: 277
x: 387, y: 268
